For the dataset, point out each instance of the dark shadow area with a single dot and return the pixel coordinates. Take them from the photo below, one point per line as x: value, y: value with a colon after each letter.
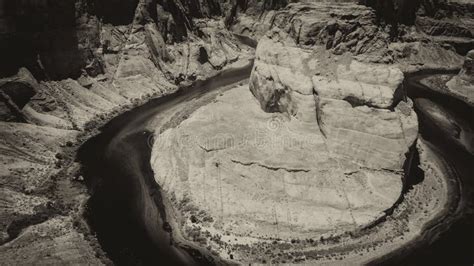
x: 20, y: 93
x: 203, y: 57
x: 413, y: 173
x: 393, y: 13
x: 41, y: 36
x: 115, y: 12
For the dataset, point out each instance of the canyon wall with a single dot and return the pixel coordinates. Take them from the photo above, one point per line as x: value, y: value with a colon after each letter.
x: 67, y: 67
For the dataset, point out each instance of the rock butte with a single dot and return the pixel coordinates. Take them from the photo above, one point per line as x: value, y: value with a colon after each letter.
x: 324, y: 165
x: 261, y: 175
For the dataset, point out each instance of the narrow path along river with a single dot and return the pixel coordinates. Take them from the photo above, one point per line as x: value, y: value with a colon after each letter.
x: 126, y: 209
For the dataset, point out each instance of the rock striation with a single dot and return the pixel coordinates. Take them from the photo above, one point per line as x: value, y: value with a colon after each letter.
x: 342, y: 98
x: 429, y: 32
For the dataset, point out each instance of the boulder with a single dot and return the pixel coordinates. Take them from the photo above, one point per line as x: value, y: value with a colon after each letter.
x: 15, y: 93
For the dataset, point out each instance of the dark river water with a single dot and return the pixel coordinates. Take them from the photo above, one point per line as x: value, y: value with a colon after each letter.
x: 126, y: 213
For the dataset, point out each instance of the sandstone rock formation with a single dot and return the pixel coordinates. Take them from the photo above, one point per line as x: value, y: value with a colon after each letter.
x: 337, y: 79
x: 357, y: 131
x: 431, y: 39
x: 308, y: 86
x: 462, y: 85
x: 304, y: 184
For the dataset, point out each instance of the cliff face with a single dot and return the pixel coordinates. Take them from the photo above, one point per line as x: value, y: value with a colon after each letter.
x: 59, y: 39
x: 178, y: 41
x: 92, y: 43
x: 429, y: 34
x: 447, y: 22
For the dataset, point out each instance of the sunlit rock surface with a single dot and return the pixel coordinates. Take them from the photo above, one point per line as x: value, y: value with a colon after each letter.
x: 259, y: 175
x: 355, y: 104
x: 321, y: 137
x: 462, y: 85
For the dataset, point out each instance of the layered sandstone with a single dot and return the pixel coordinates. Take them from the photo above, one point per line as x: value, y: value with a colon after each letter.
x: 430, y: 34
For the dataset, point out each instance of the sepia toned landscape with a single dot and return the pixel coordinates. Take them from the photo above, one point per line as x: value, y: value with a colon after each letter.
x: 236, y: 132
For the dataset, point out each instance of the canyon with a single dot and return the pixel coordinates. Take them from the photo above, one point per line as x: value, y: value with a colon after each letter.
x: 234, y: 132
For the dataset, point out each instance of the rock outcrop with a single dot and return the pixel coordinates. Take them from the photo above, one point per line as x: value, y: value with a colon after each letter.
x: 324, y: 145
x: 462, y: 85
x: 315, y: 86
x: 321, y: 23
x: 15, y: 93
x: 430, y: 34
x: 303, y: 185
